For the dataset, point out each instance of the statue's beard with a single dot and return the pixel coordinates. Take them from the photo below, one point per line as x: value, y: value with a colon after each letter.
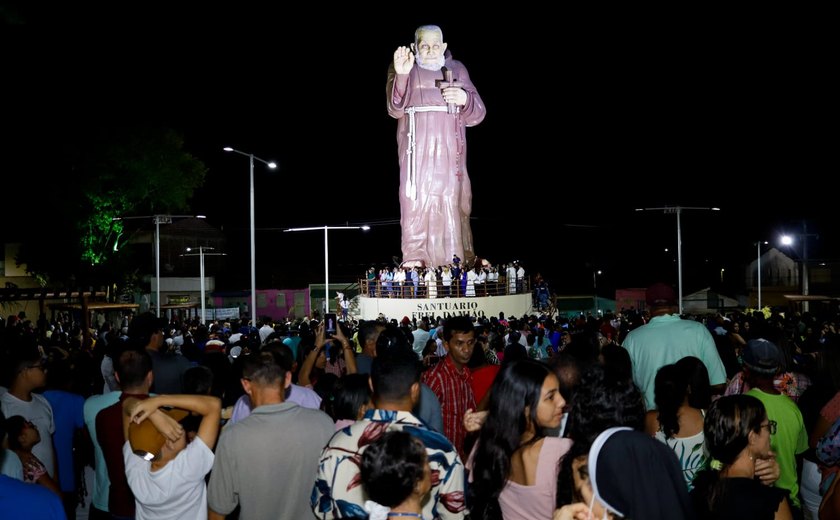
x: 432, y: 64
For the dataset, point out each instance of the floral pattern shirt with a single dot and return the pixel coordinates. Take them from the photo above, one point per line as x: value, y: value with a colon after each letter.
x: 791, y: 384
x: 338, y: 490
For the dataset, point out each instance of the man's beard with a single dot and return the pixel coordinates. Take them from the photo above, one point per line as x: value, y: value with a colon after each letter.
x: 433, y: 64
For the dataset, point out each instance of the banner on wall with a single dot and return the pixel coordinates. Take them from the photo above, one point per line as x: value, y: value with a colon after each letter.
x: 479, y: 307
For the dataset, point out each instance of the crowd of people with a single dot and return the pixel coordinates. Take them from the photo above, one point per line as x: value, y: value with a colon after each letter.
x: 454, y: 279
x: 630, y: 415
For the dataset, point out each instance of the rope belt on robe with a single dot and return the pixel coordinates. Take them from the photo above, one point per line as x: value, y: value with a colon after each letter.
x: 411, y: 180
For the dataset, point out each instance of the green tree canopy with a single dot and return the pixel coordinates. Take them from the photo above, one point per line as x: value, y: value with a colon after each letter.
x: 115, y: 172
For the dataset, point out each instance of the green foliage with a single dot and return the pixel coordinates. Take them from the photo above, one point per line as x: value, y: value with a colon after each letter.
x: 112, y: 173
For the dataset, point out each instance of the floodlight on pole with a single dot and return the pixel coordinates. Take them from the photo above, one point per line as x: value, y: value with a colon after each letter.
x: 326, y: 255
x: 272, y: 165
x: 158, y: 220
x: 677, y: 210
x: 788, y: 240
x: 201, y: 254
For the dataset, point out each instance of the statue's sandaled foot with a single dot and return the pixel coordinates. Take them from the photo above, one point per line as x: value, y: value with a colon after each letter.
x: 413, y: 263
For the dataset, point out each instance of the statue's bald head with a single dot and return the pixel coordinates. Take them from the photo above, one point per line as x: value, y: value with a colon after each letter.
x: 427, y: 28
x: 429, y: 47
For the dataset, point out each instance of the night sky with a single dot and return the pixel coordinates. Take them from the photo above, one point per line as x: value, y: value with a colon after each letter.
x: 587, y: 119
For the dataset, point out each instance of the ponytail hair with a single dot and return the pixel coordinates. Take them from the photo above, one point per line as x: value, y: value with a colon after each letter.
x: 727, y: 428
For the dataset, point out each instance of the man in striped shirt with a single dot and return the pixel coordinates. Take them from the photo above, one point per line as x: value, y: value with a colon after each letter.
x: 450, y: 379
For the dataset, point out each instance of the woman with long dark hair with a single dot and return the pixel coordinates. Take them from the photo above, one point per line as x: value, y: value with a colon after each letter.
x: 737, y: 433
x: 680, y: 390
x: 514, y: 466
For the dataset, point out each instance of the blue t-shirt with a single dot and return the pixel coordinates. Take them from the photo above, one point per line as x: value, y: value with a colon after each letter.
x: 68, y: 415
x: 21, y: 500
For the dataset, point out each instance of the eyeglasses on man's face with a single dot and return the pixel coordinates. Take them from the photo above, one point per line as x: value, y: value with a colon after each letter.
x: 771, y: 426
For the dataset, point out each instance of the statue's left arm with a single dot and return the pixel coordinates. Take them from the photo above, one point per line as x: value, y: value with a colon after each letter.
x: 473, y: 111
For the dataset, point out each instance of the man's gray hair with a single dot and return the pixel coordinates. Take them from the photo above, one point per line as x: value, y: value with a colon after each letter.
x: 427, y: 28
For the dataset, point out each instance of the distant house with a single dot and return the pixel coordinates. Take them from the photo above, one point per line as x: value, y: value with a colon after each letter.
x: 780, y: 275
x: 707, y: 301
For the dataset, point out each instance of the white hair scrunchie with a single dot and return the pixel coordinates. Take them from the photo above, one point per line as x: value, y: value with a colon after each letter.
x: 376, y: 511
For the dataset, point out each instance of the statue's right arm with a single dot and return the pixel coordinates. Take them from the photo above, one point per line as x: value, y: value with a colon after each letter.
x: 397, y: 87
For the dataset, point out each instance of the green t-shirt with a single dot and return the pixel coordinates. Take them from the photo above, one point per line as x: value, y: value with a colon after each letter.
x: 790, y: 438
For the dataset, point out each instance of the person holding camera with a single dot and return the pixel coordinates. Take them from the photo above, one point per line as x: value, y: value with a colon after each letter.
x: 335, y: 356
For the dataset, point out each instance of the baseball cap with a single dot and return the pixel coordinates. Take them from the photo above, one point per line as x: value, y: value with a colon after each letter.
x: 146, y: 441
x: 660, y: 295
x: 763, y: 357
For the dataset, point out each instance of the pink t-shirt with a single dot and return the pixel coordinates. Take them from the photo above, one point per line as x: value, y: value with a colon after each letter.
x: 537, y: 502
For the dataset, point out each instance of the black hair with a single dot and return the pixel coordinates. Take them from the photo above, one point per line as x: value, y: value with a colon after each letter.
x: 14, y: 426
x: 198, y: 380
x: 669, y: 389
x: 2, y: 429
x: 694, y: 371
x: 23, y: 353
x: 262, y: 368
x: 617, y: 362
x: 567, y: 370
x: 349, y: 395
x: 393, y: 372
x: 282, y: 353
x: 457, y: 324
x: 600, y: 402
x: 324, y: 387
x: 727, y: 427
x: 132, y: 366
x: 517, y: 386
x: 392, y: 466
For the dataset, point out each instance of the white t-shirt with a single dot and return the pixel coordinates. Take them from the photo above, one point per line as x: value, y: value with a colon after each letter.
x: 39, y: 411
x: 177, y: 491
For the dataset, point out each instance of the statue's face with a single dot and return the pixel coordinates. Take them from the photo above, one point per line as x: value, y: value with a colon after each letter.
x: 429, y: 49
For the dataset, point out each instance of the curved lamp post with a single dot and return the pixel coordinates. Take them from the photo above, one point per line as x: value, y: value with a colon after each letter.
x: 272, y: 165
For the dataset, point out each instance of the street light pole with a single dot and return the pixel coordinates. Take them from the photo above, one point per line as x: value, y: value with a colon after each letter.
x: 678, y: 211
x: 158, y: 220
x: 787, y: 240
x: 201, y: 255
x: 272, y: 165
x: 326, y: 255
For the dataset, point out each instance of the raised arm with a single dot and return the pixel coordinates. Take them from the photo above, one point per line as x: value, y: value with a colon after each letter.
x: 346, y: 349
x: 209, y: 407
x: 309, y: 362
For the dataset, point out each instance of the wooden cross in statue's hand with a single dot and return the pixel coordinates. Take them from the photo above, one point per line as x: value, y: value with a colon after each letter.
x: 451, y: 108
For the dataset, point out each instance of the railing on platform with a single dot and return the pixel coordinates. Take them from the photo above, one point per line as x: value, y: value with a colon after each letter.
x: 380, y: 289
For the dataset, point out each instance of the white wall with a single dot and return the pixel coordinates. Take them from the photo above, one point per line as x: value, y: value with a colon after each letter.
x: 514, y: 305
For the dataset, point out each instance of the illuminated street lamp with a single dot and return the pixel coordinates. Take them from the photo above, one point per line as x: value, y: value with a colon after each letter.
x: 326, y: 255
x: 272, y: 165
x: 677, y: 210
x: 158, y: 220
x: 787, y: 240
x: 201, y: 254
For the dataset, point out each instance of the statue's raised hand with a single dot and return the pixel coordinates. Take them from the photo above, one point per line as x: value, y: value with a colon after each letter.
x: 403, y: 60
